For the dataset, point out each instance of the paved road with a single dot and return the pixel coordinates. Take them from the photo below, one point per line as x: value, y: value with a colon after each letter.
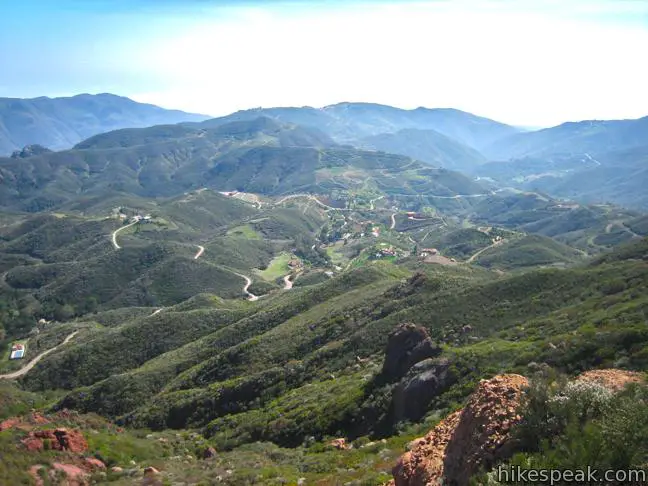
x: 25, y: 369
x: 114, y: 235
x: 201, y: 250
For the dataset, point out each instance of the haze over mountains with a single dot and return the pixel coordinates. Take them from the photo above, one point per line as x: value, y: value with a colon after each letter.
x: 59, y: 123
x: 596, y: 161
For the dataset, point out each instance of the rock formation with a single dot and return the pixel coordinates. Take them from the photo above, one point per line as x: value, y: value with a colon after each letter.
x: 407, y: 345
x: 424, y: 381
x: 466, y: 440
x: 57, y: 439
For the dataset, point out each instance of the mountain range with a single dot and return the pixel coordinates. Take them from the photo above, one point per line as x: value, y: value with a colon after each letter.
x: 60, y: 123
x: 298, y: 296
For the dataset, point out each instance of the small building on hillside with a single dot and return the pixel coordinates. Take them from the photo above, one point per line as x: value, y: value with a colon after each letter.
x: 17, y: 351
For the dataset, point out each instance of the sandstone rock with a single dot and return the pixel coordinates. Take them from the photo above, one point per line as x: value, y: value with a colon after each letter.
x: 209, y: 453
x: 94, y: 464
x: 424, y: 381
x: 615, y: 380
x: 75, y: 475
x: 117, y: 469
x: 339, y: 444
x: 34, y: 471
x: 58, y: 439
x: 467, y: 439
x: 407, y: 345
x: 10, y: 423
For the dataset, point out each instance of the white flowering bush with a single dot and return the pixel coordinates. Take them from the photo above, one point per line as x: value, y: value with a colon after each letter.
x: 580, y: 400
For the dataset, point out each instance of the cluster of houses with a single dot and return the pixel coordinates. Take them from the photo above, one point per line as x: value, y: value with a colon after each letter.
x: 17, y: 351
x: 141, y: 219
x: 425, y: 252
x: 389, y: 251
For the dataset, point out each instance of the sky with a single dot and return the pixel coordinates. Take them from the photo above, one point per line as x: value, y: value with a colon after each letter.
x: 532, y: 63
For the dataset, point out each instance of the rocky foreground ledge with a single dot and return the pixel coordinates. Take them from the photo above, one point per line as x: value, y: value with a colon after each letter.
x: 478, y: 436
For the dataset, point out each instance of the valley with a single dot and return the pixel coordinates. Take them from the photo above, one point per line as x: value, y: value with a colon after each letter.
x: 291, y: 304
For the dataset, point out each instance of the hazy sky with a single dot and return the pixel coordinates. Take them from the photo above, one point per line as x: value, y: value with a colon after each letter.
x: 523, y: 62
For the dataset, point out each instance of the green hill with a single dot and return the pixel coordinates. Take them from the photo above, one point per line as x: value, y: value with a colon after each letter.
x: 259, y: 156
x: 428, y: 146
x: 59, y: 123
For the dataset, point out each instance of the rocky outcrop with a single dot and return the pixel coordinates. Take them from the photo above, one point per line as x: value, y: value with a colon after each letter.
x: 339, y: 444
x: 615, y: 380
x: 466, y: 440
x: 407, y: 345
x: 56, y: 439
x: 209, y: 453
x: 424, y: 381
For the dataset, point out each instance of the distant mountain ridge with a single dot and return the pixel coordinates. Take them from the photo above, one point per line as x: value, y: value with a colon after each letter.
x: 348, y: 122
x: 60, y: 123
x: 589, y: 136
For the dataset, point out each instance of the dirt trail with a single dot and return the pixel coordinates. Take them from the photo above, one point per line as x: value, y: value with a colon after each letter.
x: 156, y: 312
x: 201, y: 250
x: 475, y: 255
x: 288, y: 284
x: 114, y: 235
x: 374, y: 200
x: 248, y: 282
x: 312, y: 198
x: 25, y: 369
x: 393, y: 221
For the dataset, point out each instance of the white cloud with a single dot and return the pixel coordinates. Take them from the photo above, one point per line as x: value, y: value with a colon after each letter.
x: 505, y: 60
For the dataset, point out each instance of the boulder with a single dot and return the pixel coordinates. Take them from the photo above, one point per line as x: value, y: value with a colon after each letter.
x: 423, y: 382
x: 407, y: 345
x: 339, y: 444
x: 209, y: 453
x: 94, y: 464
x: 74, y: 474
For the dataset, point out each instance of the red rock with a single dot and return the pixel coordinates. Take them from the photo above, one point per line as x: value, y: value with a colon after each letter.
x: 75, y: 475
x: 209, y: 453
x: 58, y: 439
x: 10, y: 423
x: 33, y: 471
x: 150, y: 471
x: 94, y: 463
x: 339, y: 444
x: 615, y: 380
x: 458, y: 446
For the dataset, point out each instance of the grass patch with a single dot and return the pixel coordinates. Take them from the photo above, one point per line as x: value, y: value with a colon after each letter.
x: 244, y: 231
x: 278, y: 267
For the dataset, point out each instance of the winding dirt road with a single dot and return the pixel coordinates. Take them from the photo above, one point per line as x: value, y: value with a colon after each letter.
x: 248, y: 282
x: 201, y: 250
x: 156, y: 312
x: 393, y: 223
x: 475, y: 255
x: 25, y: 369
x: 114, y: 235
